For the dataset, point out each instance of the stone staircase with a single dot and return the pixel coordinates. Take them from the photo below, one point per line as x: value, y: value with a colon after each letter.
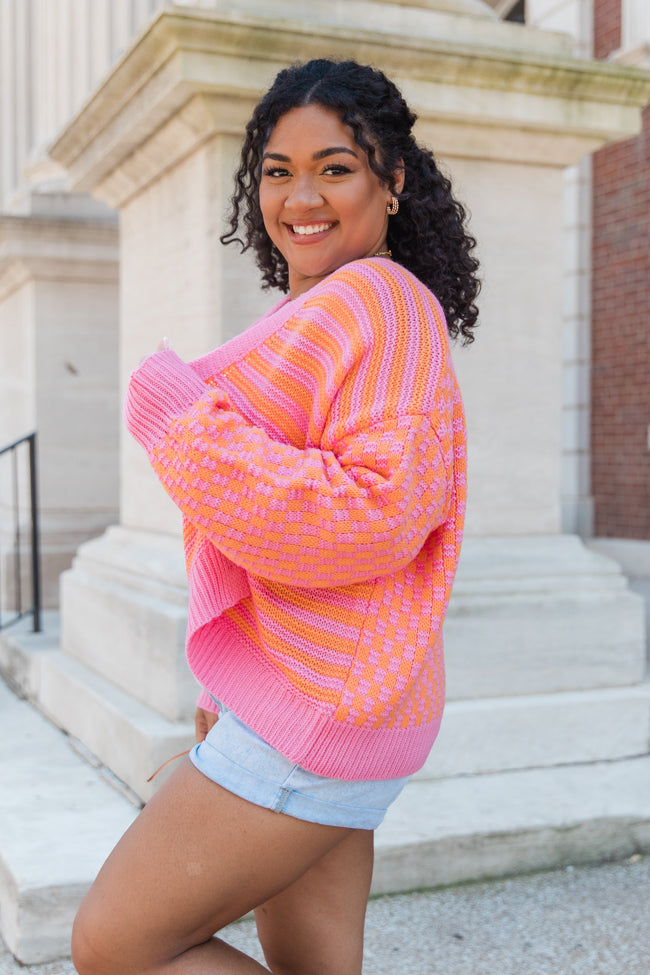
x: 61, y: 810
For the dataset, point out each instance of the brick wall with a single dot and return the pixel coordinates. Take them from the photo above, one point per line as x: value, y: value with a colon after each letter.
x: 620, y: 418
x: 607, y: 27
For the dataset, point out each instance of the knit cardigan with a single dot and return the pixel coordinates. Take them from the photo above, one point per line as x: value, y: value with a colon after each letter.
x: 319, y: 462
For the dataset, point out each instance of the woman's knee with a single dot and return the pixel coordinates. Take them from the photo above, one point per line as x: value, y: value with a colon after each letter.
x: 86, y: 957
x: 94, y: 950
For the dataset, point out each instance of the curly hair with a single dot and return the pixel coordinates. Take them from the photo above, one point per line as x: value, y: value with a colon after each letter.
x: 427, y: 235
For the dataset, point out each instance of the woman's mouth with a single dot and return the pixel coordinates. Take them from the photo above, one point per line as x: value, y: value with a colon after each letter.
x: 309, y: 229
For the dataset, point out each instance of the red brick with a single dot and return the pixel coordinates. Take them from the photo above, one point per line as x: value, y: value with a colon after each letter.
x: 620, y: 334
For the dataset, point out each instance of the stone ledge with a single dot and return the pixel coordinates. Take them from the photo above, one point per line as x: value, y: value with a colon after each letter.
x: 633, y: 556
x: 540, y: 730
x: 479, y: 827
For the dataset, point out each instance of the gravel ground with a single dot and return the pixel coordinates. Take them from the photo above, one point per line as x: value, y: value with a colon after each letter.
x: 579, y: 921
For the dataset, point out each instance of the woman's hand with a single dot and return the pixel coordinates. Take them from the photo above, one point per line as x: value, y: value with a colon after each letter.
x: 162, y: 346
x: 203, y: 721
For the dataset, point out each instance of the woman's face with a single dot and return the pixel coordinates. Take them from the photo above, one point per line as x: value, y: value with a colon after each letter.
x: 321, y: 203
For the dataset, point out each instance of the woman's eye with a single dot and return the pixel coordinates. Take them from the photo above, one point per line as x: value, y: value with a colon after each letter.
x: 336, y: 169
x: 276, y: 171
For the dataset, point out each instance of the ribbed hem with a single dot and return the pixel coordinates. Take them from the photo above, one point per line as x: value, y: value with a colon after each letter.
x: 232, y: 668
x: 161, y: 388
x: 207, y: 703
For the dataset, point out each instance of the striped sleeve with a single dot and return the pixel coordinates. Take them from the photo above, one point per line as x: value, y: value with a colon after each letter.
x: 308, y: 517
x: 302, y: 517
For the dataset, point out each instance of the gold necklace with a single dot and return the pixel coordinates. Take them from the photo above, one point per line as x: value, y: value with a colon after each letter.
x: 383, y: 254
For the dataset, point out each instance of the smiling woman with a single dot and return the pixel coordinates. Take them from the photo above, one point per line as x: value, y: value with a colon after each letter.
x: 321, y: 203
x: 427, y: 230
x: 318, y: 460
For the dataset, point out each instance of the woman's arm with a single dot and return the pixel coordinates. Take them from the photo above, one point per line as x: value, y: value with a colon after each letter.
x: 311, y: 517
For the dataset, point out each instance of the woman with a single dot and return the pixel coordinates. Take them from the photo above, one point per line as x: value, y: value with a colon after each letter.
x: 319, y: 463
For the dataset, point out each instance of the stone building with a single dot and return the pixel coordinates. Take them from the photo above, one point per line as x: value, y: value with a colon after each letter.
x: 137, y: 109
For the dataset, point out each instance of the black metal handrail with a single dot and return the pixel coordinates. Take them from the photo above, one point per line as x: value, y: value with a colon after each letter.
x: 35, y: 609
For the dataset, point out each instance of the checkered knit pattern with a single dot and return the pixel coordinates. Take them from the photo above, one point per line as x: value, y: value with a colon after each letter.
x: 319, y: 463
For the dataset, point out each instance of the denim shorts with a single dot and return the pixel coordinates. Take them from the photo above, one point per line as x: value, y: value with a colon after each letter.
x: 237, y: 759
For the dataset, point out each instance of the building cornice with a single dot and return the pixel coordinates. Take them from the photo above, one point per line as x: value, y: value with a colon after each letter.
x: 197, y: 73
x: 37, y: 248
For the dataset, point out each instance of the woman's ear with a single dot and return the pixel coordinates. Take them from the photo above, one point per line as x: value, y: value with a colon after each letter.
x: 398, y: 176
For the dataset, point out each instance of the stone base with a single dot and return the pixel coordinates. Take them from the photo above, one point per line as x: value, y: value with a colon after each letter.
x: 130, y: 739
x: 633, y: 557
x: 540, y: 615
x: 123, y: 615
x: 477, y: 736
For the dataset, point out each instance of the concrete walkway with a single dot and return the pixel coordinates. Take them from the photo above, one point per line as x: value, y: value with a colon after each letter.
x: 577, y: 921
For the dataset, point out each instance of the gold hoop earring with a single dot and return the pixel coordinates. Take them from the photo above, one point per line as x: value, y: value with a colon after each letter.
x: 392, y: 207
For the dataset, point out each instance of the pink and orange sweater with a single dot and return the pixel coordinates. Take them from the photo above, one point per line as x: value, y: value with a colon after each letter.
x: 319, y: 463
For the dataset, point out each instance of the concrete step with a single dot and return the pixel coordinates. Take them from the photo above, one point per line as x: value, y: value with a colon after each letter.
x: 484, y: 826
x: 60, y: 816
x: 491, y: 735
x: 128, y: 737
x: 499, y: 734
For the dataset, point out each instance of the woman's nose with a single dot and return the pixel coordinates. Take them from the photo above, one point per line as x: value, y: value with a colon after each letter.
x: 304, y: 193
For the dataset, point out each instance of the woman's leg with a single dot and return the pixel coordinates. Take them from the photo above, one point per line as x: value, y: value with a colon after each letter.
x: 315, y: 926
x: 196, y: 858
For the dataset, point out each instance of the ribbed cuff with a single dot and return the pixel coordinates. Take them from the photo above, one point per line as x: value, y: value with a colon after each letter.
x: 162, y: 388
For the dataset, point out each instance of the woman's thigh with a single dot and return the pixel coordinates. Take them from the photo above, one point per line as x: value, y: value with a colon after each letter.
x: 196, y: 858
x: 315, y: 926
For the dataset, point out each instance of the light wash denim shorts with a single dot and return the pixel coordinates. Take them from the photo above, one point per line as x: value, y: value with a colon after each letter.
x: 237, y: 759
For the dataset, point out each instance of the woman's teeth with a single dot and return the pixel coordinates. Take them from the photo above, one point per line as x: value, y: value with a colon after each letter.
x: 315, y: 228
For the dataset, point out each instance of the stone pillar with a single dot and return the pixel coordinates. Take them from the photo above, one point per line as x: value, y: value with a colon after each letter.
x: 574, y: 17
x: 52, y: 54
x: 58, y: 369
x: 534, y: 614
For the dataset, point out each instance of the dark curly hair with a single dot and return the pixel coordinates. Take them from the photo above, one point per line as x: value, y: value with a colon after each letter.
x: 427, y: 235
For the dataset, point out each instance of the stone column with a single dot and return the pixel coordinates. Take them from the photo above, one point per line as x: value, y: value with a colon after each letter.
x: 507, y: 109
x: 58, y: 370
x: 53, y: 53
